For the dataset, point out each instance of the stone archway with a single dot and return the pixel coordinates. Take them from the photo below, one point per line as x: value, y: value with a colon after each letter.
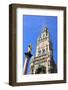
x: 40, y: 70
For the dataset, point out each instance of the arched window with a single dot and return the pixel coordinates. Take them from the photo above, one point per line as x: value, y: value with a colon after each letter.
x: 40, y: 70
x: 43, y: 51
x: 39, y: 52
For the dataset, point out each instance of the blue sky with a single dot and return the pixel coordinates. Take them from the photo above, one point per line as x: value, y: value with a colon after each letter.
x: 33, y: 26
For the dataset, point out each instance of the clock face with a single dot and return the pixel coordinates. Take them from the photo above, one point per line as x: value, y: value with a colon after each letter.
x: 42, y: 45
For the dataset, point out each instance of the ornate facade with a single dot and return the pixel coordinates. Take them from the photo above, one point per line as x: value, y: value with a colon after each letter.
x: 43, y: 62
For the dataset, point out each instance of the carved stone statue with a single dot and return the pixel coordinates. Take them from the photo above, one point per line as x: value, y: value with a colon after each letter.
x: 29, y: 48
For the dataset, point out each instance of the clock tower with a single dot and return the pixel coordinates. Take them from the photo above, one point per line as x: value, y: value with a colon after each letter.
x: 43, y: 61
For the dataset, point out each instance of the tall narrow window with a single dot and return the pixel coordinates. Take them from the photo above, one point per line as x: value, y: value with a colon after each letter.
x: 43, y: 51
x: 39, y: 52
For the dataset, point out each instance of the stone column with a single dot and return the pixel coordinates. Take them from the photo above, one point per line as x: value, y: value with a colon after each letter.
x: 28, y: 55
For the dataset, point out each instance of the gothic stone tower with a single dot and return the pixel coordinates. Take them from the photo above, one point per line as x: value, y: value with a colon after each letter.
x: 43, y: 61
